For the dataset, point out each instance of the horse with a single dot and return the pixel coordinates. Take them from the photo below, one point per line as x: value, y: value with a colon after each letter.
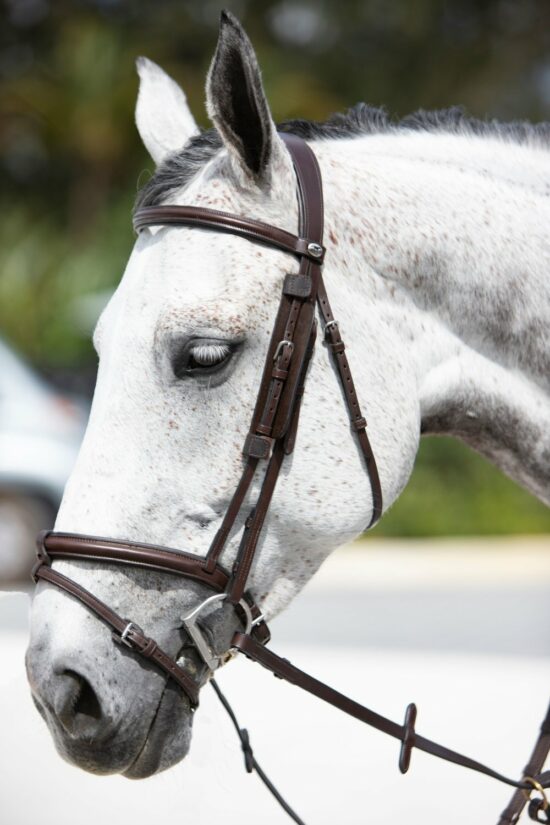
x: 437, y: 264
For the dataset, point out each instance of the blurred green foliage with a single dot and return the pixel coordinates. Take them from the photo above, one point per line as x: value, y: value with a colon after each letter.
x: 70, y: 158
x: 455, y: 492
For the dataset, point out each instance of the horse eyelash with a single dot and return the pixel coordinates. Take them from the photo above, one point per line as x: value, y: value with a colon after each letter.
x: 208, y: 354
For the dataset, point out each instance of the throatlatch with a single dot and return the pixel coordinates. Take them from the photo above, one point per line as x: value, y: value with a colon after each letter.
x: 271, y: 438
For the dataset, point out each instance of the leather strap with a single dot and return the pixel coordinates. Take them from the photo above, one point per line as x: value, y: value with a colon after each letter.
x: 227, y: 222
x: 311, y: 223
x: 233, y: 510
x: 124, y: 631
x: 77, y: 546
x: 250, y: 761
x: 281, y: 405
x: 254, y: 524
x: 51, y: 546
x: 129, y: 633
x: 290, y: 437
x: 357, y: 420
x: 405, y: 733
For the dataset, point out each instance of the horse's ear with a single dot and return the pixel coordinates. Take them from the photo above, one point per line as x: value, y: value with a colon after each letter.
x: 163, y: 117
x: 236, y: 101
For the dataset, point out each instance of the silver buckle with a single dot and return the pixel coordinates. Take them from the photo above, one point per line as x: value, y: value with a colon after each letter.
x: 123, y: 638
x: 190, y: 624
x: 330, y: 324
x: 280, y: 345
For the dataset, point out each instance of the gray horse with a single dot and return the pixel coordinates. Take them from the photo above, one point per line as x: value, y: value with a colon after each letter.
x: 439, y: 254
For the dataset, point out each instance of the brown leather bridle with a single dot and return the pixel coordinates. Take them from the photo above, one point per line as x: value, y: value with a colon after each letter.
x: 271, y: 438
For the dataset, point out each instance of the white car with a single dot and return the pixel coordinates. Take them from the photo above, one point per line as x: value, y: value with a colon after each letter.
x: 40, y: 434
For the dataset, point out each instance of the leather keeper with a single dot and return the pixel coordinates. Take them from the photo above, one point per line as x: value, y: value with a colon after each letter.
x: 408, y: 738
x: 263, y: 429
x: 149, y: 650
x: 359, y: 424
x: 261, y: 632
x: 338, y: 347
x: 297, y: 286
x: 281, y: 375
x: 257, y: 446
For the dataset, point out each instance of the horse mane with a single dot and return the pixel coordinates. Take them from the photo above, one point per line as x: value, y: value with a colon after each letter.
x: 179, y: 168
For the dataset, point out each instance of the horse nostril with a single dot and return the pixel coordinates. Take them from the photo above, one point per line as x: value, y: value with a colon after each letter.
x: 77, y: 706
x: 87, y: 703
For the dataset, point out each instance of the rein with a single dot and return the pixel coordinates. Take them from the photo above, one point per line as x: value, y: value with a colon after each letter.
x: 271, y: 438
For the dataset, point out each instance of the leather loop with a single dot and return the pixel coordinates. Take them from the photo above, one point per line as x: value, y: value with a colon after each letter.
x: 247, y: 751
x: 264, y: 429
x: 297, y: 286
x: 281, y: 375
x: 41, y: 545
x: 257, y: 446
x: 149, y: 650
x: 408, y: 738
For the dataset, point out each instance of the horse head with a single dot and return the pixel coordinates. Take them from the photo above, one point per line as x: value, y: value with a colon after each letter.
x: 182, y: 345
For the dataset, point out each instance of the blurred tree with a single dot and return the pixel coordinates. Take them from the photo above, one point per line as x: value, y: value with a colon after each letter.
x: 70, y: 158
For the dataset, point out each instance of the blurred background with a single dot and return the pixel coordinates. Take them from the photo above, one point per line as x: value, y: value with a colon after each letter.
x: 71, y: 161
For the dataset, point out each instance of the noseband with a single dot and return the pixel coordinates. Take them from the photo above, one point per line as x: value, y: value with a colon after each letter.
x: 271, y: 438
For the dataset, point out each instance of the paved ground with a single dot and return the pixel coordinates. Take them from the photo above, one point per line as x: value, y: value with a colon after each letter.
x: 464, y: 634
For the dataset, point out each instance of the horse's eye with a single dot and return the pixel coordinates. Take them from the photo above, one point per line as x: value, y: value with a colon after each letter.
x: 202, y: 357
x: 208, y: 355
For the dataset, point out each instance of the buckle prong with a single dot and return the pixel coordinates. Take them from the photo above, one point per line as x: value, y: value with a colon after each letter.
x: 280, y: 345
x: 123, y: 638
x: 258, y: 620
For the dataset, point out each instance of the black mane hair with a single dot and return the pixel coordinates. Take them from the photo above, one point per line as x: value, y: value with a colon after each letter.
x: 178, y: 169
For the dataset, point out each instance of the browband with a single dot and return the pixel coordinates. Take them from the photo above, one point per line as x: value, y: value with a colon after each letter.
x: 227, y: 222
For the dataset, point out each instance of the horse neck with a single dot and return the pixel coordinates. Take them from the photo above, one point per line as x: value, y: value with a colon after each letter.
x: 459, y: 227
x: 450, y: 234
